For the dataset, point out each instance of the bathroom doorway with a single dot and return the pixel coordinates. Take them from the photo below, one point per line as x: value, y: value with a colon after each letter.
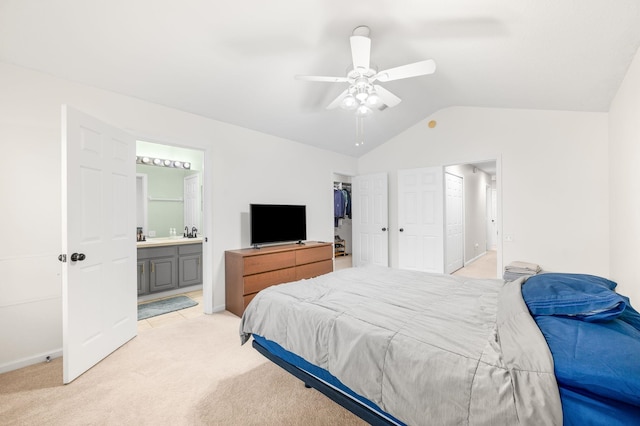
x: 170, y: 190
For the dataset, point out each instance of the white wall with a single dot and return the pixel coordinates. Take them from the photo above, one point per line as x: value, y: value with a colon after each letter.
x: 624, y: 169
x: 241, y: 166
x: 553, y: 171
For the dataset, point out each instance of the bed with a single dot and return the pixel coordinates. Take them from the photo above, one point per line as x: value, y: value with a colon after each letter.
x: 407, y: 347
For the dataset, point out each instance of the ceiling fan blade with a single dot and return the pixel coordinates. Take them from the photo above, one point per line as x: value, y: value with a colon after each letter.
x: 322, y: 78
x: 360, y: 51
x: 388, y: 98
x: 336, y: 102
x: 405, y: 71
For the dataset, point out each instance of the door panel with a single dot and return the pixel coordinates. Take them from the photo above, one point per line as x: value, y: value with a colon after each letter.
x: 99, y: 297
x: 370, y: 220
x: 454, y: 222
x: 420, y: 219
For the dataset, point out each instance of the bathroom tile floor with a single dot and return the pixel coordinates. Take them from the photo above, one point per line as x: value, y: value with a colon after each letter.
x: 176, y: 316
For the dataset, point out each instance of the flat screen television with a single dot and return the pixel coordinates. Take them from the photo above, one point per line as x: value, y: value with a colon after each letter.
x: 277, y: 223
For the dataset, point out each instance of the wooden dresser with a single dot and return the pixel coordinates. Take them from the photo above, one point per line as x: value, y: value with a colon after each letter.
x: 247, y: 271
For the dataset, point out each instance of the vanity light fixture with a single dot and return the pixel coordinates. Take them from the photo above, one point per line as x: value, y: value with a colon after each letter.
x: 160, y: 162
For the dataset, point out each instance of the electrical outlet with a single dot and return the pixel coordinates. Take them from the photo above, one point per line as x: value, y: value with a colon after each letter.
x: 152, y: 233
x: 508, y: 238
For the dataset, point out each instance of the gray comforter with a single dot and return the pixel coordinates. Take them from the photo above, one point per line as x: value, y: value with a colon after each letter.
x: 428, y: 349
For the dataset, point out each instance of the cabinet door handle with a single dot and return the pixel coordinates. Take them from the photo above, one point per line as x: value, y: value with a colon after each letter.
x: 152, y: 267
x: 142, y: 271
x: 198, y: 261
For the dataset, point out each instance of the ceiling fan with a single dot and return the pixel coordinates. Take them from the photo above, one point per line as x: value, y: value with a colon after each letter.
x: 363, y: 94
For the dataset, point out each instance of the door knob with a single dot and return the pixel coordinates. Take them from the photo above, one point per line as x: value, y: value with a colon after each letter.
x: 401, y: 229
x: 384, y: 229
x: 79, y: 257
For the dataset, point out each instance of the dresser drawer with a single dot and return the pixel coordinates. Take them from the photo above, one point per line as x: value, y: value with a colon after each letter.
x: 314, y: 254
x: 247, y: 300
x: 255, y: 283
x: 269, y: 262
x: 311, y: 270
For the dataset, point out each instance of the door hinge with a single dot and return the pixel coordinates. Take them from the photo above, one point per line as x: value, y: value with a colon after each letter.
x: 62, y: 258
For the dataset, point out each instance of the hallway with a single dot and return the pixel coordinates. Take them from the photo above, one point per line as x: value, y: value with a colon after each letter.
x: 483, y: 267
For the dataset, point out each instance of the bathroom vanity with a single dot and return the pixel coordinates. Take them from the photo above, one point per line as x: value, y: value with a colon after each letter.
x: 168, y: 264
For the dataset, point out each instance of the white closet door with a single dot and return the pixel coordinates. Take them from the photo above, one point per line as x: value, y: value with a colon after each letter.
x: 454, y: 209
x: 420, y: 219
x: 369, y: 195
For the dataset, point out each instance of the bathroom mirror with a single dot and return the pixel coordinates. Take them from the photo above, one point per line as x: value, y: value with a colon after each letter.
x: 168, y: 197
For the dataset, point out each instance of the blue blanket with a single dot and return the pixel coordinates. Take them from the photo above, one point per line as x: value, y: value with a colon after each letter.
x: 594, y: 336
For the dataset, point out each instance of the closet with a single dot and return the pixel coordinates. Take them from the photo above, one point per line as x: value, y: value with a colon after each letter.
x: 342, y: 215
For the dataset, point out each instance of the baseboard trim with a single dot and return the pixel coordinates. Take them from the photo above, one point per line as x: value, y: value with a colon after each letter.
x: 25, y: 362
x: 474, y: 259
x: 219, y: 308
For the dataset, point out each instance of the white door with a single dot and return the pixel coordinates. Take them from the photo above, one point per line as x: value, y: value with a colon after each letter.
x: 420, y: 219
x: 454, y: 214
x: 99, y: 298
x: 192, y: 202
x: 369, y: 211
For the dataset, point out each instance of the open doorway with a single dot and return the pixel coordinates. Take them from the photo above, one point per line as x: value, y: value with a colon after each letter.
x: 480, y: 221
x: 342, y: 226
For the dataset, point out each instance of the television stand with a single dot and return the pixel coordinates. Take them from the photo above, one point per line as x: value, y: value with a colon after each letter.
x: 247, y: 271
x: 300, y: 243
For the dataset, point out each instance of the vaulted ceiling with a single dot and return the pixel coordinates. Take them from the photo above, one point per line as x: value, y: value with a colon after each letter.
x: 236, y: 61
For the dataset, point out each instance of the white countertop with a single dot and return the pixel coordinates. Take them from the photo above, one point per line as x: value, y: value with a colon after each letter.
x: 167, y: 241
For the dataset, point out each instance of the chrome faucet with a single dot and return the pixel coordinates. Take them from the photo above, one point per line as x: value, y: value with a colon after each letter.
x: 193, y: 232
x: 186, y: 232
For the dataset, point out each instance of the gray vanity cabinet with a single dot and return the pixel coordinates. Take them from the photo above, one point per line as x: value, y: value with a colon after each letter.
x: 169, y: 267
x: 143, y: 275
x: 190, y: 265
x: 163, y: 273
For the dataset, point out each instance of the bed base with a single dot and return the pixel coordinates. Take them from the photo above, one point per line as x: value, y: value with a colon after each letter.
x: 310, y: 381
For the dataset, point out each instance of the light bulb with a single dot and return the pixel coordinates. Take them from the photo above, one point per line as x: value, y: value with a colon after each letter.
x: 373, y: 99
x: 177, y: 164
x: 157, y: 161
x: 186, y: 165
x: 145, y: 160
x: 167, y: 163
x: 363, y: 111
x: 349, y: 102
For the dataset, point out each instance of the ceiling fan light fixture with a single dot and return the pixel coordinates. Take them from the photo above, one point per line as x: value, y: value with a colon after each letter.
x: 362, y: 95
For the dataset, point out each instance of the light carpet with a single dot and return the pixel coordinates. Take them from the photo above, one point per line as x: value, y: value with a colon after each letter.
x: 192, y: 372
